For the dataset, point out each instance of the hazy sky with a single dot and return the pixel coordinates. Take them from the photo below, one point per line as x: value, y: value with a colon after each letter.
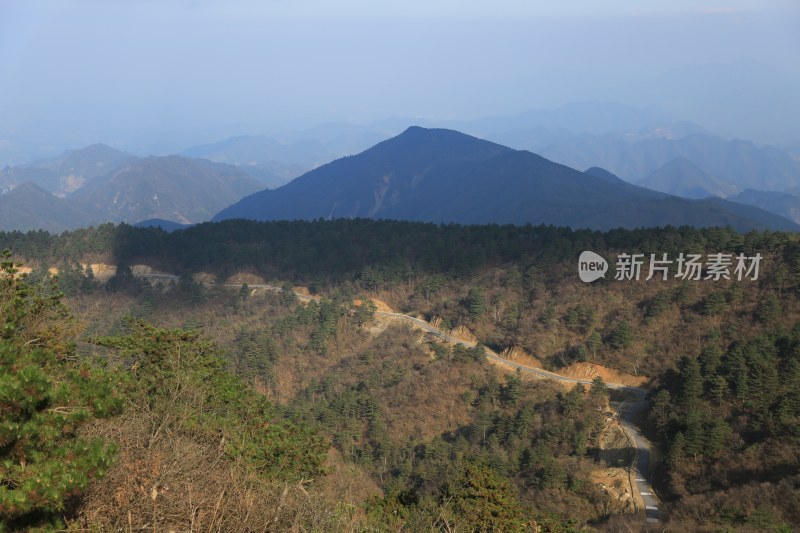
x: 199, y: 69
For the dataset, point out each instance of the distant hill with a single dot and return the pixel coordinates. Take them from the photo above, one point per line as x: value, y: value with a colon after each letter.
x: 683, y: 178
x: 275, y: 162
x: 167, y: 225
x: 68, y: 172
x: 274, y: 173
x: 785, y: 204
x: 737, y: 162
x: 100, y: 184
x: 29, y: 207
x: 173, y: 188
x: 440, y: 175
x: 604, y: 174
x: 271, y: 162
x: 257, y: 149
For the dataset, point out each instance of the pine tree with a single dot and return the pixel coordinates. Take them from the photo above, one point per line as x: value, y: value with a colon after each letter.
x: 483, y: 499
x: 769, y: 310
x: 45, y: 398
x: 710, y: 360
x: 661, y: 410
x: 691, y: 380
x: 513, y: 388
x: 717, y: 434
x: 714, y: 304
x: 622, y: 336
x: 677, y: 451
x: 476, y: 302
x: 599, y: 390
x: 694, y: 432
x: 594, y: 342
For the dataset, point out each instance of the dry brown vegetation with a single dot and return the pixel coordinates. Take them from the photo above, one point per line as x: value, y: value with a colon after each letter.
x: 409, y: 420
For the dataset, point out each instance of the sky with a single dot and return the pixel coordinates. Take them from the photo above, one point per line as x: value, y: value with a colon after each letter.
x: 119, y: 71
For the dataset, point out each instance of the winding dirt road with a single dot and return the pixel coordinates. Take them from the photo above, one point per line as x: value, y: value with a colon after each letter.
x: 629, y: 410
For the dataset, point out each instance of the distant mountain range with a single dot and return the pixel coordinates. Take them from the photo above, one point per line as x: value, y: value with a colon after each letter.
x: 173, y: 187
x: 29, y: 207
x: 271, y: 162
x: 423, y: 174
x: 69, y: 171
x: 786, y: 204
x: 683, y: 178
x: 276, y: 162
x: 738, y: 163
x: 441, y: 175
x: 99, y: 184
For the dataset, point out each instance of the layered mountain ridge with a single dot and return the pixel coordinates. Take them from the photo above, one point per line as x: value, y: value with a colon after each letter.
x: 443, y: 176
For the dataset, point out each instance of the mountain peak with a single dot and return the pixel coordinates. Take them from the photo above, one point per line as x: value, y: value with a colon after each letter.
x: 27, y: 188
x: 682, y: 177
x: 420, y: 132
x: 445, y: 176
x: 412, y: 130
x: 97, y: 150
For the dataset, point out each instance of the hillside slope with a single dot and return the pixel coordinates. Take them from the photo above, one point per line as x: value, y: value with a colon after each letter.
x: 785, y: 204
x: 683, y: 178
x: 173, y: 188
x: 69, y: 171
x: 444, y: 176
x: 737, y: 162
x: 29, y: 207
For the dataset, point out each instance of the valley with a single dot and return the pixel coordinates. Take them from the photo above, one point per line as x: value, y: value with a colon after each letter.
x: 436, y: 379
x: 412, y: 266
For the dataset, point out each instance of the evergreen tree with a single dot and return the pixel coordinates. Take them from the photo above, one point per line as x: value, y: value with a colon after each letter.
x: 694, y: 432
x: 512, y: 391
x: 476, y: 302
x: 691, y: 380
x: 483, y: 499
x: 661, y: 410
x: 621, y: 336
x: 717, y: 435
x: 594, y: 342
x: 45, y: 396
x: 710, y: 360
x: 658, y: 304
x: 714, y: 304
x: 769, y: 310
x: 717, y: 389
x: 677, y: 451
x: 599, y: 391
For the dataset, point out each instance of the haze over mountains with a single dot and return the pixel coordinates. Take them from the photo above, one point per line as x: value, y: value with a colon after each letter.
x: 29, y: 207
x: 737, y: 162
x: 631, y: 143
x: 67, y: 172
x: 786, y: 204
x: 683, y: 178
x: 437, y: 175
x: 99, y: 183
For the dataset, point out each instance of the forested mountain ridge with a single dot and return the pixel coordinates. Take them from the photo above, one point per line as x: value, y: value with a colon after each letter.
x: 360, y: 382
x: 439, y: 176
